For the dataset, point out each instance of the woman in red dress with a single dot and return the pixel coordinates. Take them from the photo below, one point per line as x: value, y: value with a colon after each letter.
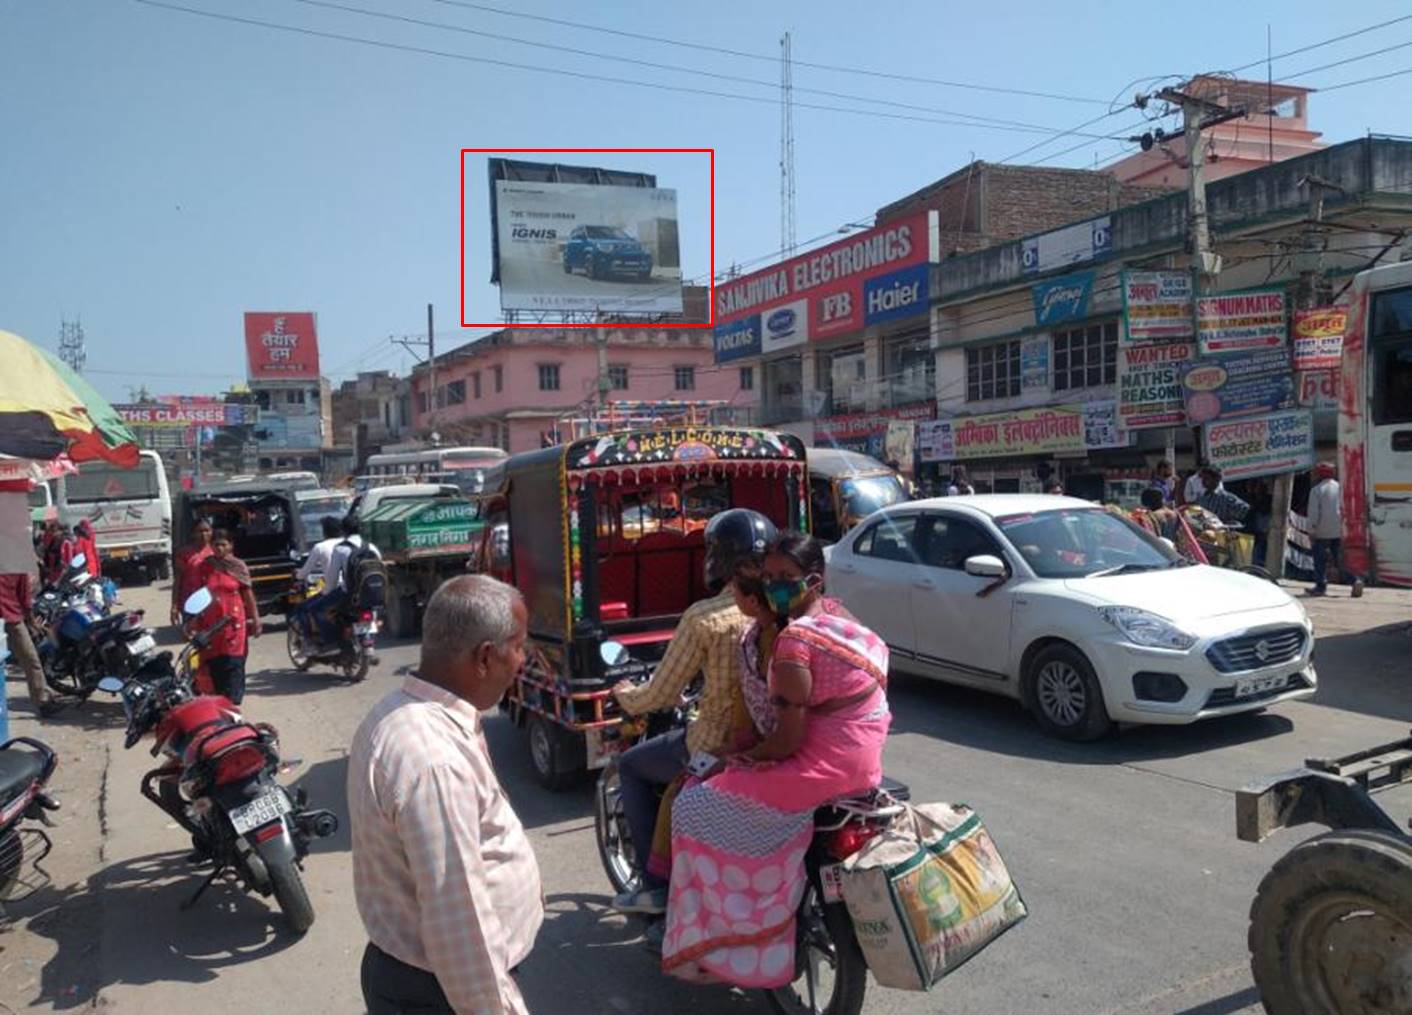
x: 186, y: 567
x: 228, y: 578
x: 86, y: 543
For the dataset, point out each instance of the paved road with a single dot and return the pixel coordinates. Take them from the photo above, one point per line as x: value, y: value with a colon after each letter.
x: 1124, y: 850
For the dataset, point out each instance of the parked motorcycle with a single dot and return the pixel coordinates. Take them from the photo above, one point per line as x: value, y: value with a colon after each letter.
x: 353, y: 652
x: 23, y: 775
x: 218, y: 780
x: 831, y: 974
x: 80, y: 641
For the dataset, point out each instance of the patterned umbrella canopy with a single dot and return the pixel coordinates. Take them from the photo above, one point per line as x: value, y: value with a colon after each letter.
x: 47, y: 410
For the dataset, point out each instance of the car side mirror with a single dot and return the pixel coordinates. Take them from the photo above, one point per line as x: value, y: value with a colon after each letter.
x: 110, y: 685
x: 78, y: 561
x: 985, y: 565
x: 613, y: 653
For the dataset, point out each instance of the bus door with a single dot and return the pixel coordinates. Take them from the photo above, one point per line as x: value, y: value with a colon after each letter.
x: 1389, y: 444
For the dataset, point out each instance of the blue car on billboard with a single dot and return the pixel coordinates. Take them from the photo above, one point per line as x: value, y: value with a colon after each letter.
x: 605, y: 252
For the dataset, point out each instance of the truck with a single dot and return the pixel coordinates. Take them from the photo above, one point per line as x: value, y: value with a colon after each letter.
x: 423, y: 541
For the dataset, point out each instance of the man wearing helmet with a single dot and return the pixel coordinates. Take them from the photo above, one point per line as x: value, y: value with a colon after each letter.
x: 706, y: 641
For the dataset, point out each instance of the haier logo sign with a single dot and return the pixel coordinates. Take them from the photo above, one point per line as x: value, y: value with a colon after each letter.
x: 738, y: 339
x: 786, y: 326
x: 897, y: 294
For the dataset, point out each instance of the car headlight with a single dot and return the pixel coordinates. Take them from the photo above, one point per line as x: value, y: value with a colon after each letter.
x: 1143, y: 628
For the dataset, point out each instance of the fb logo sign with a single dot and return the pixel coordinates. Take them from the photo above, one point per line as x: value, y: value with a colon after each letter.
x: 837, y: 307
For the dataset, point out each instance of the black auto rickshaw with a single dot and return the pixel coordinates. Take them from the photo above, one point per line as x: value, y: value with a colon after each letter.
x: 605, y: 538
x: 268, y: 530
x: 847, y: 486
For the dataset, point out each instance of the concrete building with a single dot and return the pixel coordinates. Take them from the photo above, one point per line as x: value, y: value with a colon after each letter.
x: 1274, y: 128
x: 370, y: 411
x: 296, y: 423
x: 507, y: 388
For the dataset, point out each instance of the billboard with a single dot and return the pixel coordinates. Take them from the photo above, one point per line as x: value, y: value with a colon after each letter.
x: 586, y: 247
x: 1318, y: 337
x: 1241, y: 321
x: 1244, y: 384
x: 281, y: 346
x: 1157, y: 306
x: 870, y: 278
x: 183, y: 416
x: 1150, y: 384
x: 1264, y: 446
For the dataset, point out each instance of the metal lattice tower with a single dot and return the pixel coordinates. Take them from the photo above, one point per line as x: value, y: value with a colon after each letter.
x: 788, y: 237
x: 71, y: 348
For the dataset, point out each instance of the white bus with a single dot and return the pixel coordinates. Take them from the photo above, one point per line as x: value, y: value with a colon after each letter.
x: 465, y: 467
x: 130, y: 509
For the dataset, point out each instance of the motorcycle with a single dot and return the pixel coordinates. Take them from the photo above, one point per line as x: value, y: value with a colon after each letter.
x: 355, y: 650
x: 80, y: 641
x: 830, y: 973
x: 218, y: 780
x: 23, y: 776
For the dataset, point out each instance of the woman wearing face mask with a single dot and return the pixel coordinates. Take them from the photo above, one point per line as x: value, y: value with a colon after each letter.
x: 739, y: 838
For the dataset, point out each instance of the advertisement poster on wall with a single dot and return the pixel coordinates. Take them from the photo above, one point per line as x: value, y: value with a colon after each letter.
x: 587, y: 247
x: 872, y: 277
x: 854, y: 425
x: 936, y: 442
x: 1075, y: 244
x: 1157, y: 306
x: 1318, y: 390
x: 1241, y: 321
x: 181, y: 417
x: 1318, y: 337
x: 738, y: 339
x: 1049, y: 430
x: 898, y: 444
x: 1246, y: 384
x: 1150, y: 384
x: 1034, y: 363
x: 1062, y: 299
x: 1262, y: 446
x: 1101, y: 428
x: 281, y: 346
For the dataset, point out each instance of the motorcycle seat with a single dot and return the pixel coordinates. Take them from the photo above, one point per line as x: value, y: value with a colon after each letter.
x: 18, y: 768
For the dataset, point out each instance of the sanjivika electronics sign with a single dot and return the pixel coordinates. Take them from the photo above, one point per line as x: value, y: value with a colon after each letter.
x: 871, y: 278
x: 282, y: 346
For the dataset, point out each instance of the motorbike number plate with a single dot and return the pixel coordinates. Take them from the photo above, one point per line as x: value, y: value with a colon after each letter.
x: 270, y: 807
x: 361, y: 629
x: 140, y: 645
x: 831, y: 878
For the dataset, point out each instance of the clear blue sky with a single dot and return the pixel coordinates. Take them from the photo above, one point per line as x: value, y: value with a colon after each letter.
x: 161, y: 172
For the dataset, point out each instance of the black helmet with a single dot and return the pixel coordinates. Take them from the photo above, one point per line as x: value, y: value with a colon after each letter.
x: 735, y: 537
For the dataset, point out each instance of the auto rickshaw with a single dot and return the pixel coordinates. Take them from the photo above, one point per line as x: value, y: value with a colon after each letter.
x: 604, y: 536
x: 268, y: 530
x: 847, y: 486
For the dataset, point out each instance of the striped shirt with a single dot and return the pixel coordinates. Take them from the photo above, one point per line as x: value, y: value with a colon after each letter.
x: 707, y: 641
x: 444, y: 876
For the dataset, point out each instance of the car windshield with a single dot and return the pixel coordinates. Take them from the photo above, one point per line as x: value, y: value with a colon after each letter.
x: 1077, y: 542
x: 313, y: 512
x: 867, y: 494
x: 605, y: 233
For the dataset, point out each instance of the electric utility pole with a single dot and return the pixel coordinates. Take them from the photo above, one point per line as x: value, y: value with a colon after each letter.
x: 71, y: 346
x: 429, y: 343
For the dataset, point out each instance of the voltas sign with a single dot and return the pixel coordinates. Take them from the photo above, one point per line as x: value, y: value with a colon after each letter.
x: 873, y: 277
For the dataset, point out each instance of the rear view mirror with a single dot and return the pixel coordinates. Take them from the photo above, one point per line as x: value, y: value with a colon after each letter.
x: 80, y: 560
x: 985, y: 566
x: 197, y: 602
x: 110, y: 685
x: 613, y: 653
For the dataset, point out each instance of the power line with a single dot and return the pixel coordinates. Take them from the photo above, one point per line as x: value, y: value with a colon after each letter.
x: 583, y: 75
x: 1364, y: 81
x: 675, y: 68
x: 1348, y: 60
x: 706, y: 48
x: 1320, y: 45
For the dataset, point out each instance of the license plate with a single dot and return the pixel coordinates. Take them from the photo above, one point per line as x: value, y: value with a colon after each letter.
x: 117, y: 554
x: 270, y: 807
x: 1247, y: 686
x: 361, y: 629
x: 831, y: 878
x: 140, y: 645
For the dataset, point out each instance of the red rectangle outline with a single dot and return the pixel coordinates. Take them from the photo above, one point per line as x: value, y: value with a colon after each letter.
x: 711, y: 295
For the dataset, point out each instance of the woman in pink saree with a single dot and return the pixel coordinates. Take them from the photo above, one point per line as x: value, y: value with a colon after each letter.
x: 739, y: 837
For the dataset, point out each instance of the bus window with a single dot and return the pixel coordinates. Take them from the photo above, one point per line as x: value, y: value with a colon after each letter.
x: 1391, y: 351
x: 98, y: 481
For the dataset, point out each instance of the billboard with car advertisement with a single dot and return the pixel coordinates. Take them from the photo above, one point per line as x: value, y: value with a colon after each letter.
x: 587, y: 247
x: 282, y: 346
x: 870, y: 278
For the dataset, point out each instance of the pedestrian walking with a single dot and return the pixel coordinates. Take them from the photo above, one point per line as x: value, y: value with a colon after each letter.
x: 186, y: 566
x: 17, y: 566
x: 1326, y: 528
x: 960, y: 483
x: 1164, y: 478
x: 445, y: 880
x: 228, y: 578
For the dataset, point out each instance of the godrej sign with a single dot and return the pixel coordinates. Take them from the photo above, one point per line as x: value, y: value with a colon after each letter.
x: 877, y: 276
x: 281, y: 346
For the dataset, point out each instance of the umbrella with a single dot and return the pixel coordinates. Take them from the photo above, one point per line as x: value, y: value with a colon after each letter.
x: 47, y: 410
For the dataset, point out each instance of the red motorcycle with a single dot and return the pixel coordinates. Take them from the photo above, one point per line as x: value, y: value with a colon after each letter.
x: 23, y: 776
x: 218, y: 780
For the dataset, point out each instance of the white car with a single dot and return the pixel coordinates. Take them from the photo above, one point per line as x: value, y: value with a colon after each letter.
x: 1080, y: 614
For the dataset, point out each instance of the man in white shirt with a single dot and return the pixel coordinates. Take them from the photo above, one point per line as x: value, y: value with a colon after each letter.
x: 335, y: 594
x: 1326, y: 528
x: 446, y: 881
x: 316, y: 564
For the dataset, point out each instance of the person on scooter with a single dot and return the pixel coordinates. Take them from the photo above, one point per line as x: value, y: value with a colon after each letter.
x: 316, y: 565
x: 322, y: 609
x: 706, y: 641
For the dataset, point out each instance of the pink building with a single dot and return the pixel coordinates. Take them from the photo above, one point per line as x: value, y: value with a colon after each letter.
x: 508, y: 387
x: 1275, y: 128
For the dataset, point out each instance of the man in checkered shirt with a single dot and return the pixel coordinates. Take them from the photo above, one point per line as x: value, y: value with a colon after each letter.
x: 445, y: 879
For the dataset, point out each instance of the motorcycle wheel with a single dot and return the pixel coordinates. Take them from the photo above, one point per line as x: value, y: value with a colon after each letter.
x: 294, y: 643
x: 357, y: 668
x: 831, y: 973
x: 288, y: 886
x: 610, y: 829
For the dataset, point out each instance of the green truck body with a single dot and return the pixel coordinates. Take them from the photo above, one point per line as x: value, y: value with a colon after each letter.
x: 423, y: 541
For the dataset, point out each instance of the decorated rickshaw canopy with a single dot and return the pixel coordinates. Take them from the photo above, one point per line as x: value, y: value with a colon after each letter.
x: 644, y: 456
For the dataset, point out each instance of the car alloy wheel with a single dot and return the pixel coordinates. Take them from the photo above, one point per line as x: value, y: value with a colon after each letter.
x: 1061, y: 693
